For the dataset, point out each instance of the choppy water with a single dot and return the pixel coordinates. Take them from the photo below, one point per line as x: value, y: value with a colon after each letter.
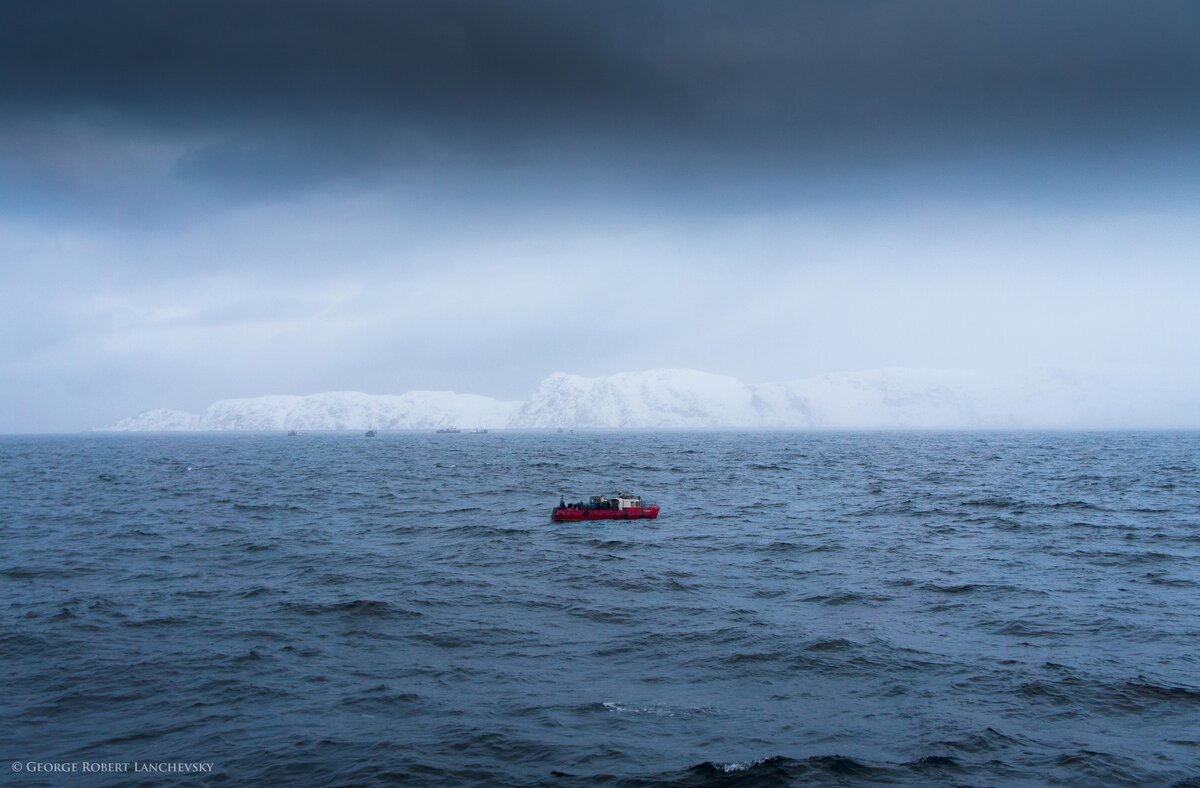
x: 880, y: 607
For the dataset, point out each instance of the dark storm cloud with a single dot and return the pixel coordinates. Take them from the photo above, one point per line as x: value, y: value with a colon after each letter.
x: 289, y: 92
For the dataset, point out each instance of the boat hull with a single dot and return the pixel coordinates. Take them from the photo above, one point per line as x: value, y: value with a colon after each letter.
x: 587, y: 515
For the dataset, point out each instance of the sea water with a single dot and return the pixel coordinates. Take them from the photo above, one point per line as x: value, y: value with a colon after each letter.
x: 907, y: 607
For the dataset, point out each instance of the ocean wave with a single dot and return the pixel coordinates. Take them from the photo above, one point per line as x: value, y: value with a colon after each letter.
x: 371, y: 608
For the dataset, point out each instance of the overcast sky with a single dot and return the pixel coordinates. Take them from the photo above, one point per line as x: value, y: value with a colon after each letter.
x: 201, y: 200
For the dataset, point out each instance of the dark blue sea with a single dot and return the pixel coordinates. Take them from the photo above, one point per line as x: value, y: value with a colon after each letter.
x: 844, y: 608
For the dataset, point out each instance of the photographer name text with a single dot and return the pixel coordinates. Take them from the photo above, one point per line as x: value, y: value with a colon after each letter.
x: 110, y: 767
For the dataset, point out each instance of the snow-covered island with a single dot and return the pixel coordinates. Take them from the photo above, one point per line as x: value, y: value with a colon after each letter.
x: 688, y: 399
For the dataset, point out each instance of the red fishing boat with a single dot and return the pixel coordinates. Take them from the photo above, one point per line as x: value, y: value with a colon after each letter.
x: 621, y: 506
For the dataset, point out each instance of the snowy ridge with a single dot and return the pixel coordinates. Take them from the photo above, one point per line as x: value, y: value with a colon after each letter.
x: 336, y: 410
x: 664, y: 398
x: 688, y: 399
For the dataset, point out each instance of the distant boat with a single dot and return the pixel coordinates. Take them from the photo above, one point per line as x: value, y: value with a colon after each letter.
x: 450, y: 430
x: 292, y: 432
x: 370, y: 433
x: 479, y: 431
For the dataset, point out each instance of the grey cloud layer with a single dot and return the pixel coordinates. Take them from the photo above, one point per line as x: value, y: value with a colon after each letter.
x: 202, y: 200
x: 372, y: 84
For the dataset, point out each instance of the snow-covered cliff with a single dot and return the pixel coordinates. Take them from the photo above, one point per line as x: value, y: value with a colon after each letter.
x: 336, y: 410
x: 687, y: 399
x: 666, y: 398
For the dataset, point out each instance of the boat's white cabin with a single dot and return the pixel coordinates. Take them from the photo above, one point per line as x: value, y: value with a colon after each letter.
x: 622, y: 501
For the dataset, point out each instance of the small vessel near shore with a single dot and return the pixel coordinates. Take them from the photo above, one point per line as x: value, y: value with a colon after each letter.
x: 619, y: 506
x: 449, y: 430
x: 371, y: 433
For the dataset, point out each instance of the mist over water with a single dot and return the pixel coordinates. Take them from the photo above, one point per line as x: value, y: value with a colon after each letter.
x: 910, y: 608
